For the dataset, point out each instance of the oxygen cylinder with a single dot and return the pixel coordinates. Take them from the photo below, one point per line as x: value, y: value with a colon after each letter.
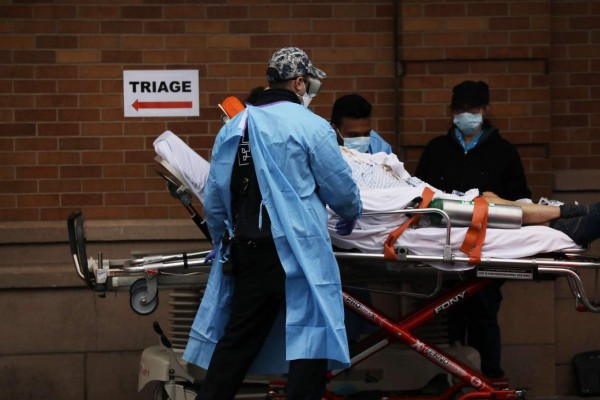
x: 500, y: 216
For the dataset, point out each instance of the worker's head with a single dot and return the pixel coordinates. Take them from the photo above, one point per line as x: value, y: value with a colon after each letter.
x: 469, y: 106
x: 291, y: 68
x: 351, y: 118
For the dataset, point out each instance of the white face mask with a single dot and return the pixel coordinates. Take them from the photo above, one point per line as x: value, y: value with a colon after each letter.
x: 306, y: 99
x: 469, y: 124
x: 359, y: 143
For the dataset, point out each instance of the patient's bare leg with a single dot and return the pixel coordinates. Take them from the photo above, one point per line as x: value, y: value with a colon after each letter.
x: 533, y: 214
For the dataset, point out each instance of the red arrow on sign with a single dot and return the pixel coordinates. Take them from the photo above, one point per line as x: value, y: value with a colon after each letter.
x: 161, y: 104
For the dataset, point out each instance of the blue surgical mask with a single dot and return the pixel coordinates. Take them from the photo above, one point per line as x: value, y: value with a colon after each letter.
x: 469, y: 124
x: 359, y: 143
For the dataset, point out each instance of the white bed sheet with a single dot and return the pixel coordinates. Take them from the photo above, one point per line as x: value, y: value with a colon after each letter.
x: 190, y: 164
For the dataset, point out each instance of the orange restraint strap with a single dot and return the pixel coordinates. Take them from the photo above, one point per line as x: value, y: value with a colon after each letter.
x: 388, y: 245
x: 475, y: 236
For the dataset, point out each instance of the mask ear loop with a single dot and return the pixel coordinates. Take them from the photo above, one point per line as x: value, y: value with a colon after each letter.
x: 340, y: 136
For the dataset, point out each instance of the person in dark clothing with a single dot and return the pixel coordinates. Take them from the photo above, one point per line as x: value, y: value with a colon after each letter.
x: 474, y: 155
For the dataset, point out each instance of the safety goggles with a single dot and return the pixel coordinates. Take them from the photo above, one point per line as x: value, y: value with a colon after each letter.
x: 313, y: 85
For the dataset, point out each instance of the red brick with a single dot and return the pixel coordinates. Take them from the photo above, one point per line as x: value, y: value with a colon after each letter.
x: 100, y: 41
x: 19, y: 186
x: 100, y: 71
x: 79, y: 143
x: 17, y: 101
x: 35, y: 144
x: 487, y: 8
x: 445, y: 10
x: 163, y: 56
x: 509, y: 23
x: 102, y: 129
x: 56, y: 101
x: 315, y: 11
x: 122, y: 143
x: 105, y: 100
x: 44, y: 27
x: 79, y: 114
x: 145, y: 184
x: 55, y: 71
x: 8, y: 201
x: 17, y: 71
x: 17, y: 130
x: 16, y: 11
x: 34, y: 86
x: 271, y: 11
x: 355, y: 11
x: 185, y: 12
x: 121, y: 27
x: 124, y: 199
x: 530, y: 8
x: 164, y: 27
x: 78, y: 27
x: 78, y: 86
x: 53, y: 11
x: 122, y: 171
x: 80, y: 171
x: 98, y: 12
x: 101, y: 157
x: 81, y: 199
x: 58, y: 129
x: 35, y: 115
x: 252, y: 26
x: 17, y: 42
x: 19, y: 215
x: 226, y: 12
x: 34, y: 56
x: 185, y: 42
x: 56, y: 41
x: 43, y: 172
x: 194, y: 27
x: 374, y: 25
x: 60, y: 186
x: 38, y: 201
x: 102, y: 185
x: 59, y: 158
x: 77, y: 56
x: 141, y: 12
x: 121, y: 56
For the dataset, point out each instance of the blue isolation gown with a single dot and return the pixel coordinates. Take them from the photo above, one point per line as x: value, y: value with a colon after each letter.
x: 299, y: 169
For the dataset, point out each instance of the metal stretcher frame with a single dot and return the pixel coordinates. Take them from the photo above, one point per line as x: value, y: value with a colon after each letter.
x: 145, y: 275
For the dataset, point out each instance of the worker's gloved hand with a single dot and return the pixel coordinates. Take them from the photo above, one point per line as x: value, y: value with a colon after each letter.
x: 344, y: 227
x: 210, y: 256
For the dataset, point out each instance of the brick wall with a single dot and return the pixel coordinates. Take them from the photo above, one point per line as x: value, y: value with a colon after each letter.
x: 64, y: 142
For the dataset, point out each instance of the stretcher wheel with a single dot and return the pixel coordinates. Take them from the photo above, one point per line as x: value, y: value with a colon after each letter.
x: 139, y: 300
x: 160, y: 393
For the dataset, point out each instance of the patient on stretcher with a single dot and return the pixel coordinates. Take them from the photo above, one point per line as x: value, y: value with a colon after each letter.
x: 386, y: 186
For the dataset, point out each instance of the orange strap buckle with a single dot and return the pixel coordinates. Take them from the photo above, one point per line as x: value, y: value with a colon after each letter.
x: 388, y: 245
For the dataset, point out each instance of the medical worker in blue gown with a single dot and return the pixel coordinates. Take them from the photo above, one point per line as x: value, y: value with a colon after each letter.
x: 351, y: 118
x: 273, y: 303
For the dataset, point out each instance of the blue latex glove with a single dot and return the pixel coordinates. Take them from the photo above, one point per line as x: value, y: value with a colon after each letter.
x: 210, y: 256
x: 344, y: 227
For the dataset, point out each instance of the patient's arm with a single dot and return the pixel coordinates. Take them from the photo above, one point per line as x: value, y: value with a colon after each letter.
x: 533, y: 214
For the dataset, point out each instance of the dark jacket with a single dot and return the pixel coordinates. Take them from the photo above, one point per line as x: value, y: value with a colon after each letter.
x: 492, y: 165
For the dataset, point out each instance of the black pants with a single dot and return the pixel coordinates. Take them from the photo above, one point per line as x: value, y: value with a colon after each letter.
x: 258, y: 297
x: 475, y: 323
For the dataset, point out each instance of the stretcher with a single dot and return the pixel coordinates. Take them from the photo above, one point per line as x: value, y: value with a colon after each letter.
x: 145, y: 275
